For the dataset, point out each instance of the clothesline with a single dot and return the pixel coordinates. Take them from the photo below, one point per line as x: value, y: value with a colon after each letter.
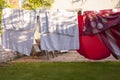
x: 55, y: 35
x: 59, y: 31
x: 99, y: 34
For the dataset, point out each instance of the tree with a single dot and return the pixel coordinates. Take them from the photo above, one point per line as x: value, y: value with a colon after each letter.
x: 2, y: 4
x: 33, y: 4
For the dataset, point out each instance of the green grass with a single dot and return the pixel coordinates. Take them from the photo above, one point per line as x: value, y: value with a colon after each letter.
x: 61, y: 71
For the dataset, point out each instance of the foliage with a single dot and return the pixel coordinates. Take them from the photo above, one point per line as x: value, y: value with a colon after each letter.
x: 33, y: 4
x: 2, y: 4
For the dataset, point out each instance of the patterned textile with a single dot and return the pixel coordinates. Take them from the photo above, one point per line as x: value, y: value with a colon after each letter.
x: 95, y: 22
x: 106, y: 24
x: 91, y: 46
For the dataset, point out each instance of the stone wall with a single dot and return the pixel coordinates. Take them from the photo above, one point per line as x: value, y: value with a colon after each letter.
x: 6, y: 54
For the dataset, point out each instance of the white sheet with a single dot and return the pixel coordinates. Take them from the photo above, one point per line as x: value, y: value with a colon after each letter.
x: 18, y: 29
x: 59, y: 30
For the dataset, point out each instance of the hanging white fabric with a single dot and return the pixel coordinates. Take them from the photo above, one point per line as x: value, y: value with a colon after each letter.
x: 59, y: 30
x: 18, y: 29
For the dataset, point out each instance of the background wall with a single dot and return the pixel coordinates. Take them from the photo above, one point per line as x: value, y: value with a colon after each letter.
x: 86, y: 4
x: 13, y: 3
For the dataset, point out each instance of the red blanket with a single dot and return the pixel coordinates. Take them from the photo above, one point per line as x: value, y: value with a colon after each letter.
x: 91, y: 47
x: 99, y: 34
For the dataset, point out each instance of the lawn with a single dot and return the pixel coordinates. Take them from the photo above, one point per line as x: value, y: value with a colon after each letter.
x: 60, y: 71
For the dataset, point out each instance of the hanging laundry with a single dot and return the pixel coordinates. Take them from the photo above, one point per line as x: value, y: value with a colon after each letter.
x: 59, y: 30
x: 91, y: 46
x: 100, y: 21
x: 106, y: 24
x: 18, y: 29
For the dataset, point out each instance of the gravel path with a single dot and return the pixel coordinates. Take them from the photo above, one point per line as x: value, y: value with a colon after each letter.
x: 71, y: 56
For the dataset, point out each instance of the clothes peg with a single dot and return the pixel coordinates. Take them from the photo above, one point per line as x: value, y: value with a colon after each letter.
x: 79, y: 12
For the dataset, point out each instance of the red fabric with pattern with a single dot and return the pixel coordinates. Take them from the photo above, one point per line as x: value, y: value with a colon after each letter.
x: 91, y: 47
x: 116, y: 34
